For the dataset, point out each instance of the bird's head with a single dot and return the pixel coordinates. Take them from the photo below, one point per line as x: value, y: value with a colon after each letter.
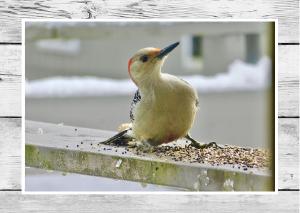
x: 147, y: 62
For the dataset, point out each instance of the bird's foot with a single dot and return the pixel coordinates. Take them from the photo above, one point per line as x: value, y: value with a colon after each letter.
x: 120, y: 139
x: 134, y: 143
x: 206, y: 145
x: 142, y: 146
x: 198, y: 145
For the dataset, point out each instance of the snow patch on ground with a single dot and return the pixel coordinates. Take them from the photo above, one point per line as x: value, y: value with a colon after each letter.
x: 239, y: 77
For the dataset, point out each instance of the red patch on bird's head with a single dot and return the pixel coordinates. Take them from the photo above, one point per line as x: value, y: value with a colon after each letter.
x: 129, y: 64
x: 129, y: 72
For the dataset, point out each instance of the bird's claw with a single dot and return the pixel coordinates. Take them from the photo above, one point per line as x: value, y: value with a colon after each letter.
x: 141, y: 146
x: 206, y: 145
x: 198, y: 145
x: 133, y: 144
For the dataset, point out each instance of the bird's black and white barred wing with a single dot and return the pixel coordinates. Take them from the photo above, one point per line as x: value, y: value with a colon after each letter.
x: 137, y: 97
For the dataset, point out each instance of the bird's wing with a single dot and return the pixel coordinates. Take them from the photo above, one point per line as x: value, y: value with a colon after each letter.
x: 197, y: 100
x: 184, y: 81
x: 137, y: 97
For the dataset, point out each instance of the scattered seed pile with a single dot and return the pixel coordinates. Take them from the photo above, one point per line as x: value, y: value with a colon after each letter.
x: 238, y: 157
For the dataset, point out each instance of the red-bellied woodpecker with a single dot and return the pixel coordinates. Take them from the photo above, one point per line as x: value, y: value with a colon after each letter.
x: 164, y: 106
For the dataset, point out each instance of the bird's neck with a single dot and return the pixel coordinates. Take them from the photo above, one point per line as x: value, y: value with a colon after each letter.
x: 150, y: 80
x: 149, y: 84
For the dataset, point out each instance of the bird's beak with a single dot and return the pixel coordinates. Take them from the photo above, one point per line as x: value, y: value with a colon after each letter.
x: 165, y: 51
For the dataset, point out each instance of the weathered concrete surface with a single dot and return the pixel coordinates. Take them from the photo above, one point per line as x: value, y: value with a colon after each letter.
x: 73, y: 149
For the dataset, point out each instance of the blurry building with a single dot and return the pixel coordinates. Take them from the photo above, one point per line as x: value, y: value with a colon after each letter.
x: 236, y: 116
x: 103, y: 49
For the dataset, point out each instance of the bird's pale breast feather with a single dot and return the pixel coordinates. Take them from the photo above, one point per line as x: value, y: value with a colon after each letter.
x: 166, y: 115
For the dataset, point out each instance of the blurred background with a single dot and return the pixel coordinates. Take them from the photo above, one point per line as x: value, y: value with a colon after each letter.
x: 76, y: 74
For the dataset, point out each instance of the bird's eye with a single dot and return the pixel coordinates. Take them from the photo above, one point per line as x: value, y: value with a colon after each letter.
x: 144, y: 58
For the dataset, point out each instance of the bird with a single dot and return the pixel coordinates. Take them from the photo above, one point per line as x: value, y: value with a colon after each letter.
x: 164, y: 107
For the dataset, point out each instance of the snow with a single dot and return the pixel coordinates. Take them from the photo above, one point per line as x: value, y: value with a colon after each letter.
x: 78, y: 86
x: 239, y: 77
x: 70, y: 47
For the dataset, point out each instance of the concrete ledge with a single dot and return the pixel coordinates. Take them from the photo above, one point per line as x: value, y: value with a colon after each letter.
x: 74, y: 149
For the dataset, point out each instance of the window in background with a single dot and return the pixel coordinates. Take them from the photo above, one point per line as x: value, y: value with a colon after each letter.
x: 253, y: 51
x: 192, y: 52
